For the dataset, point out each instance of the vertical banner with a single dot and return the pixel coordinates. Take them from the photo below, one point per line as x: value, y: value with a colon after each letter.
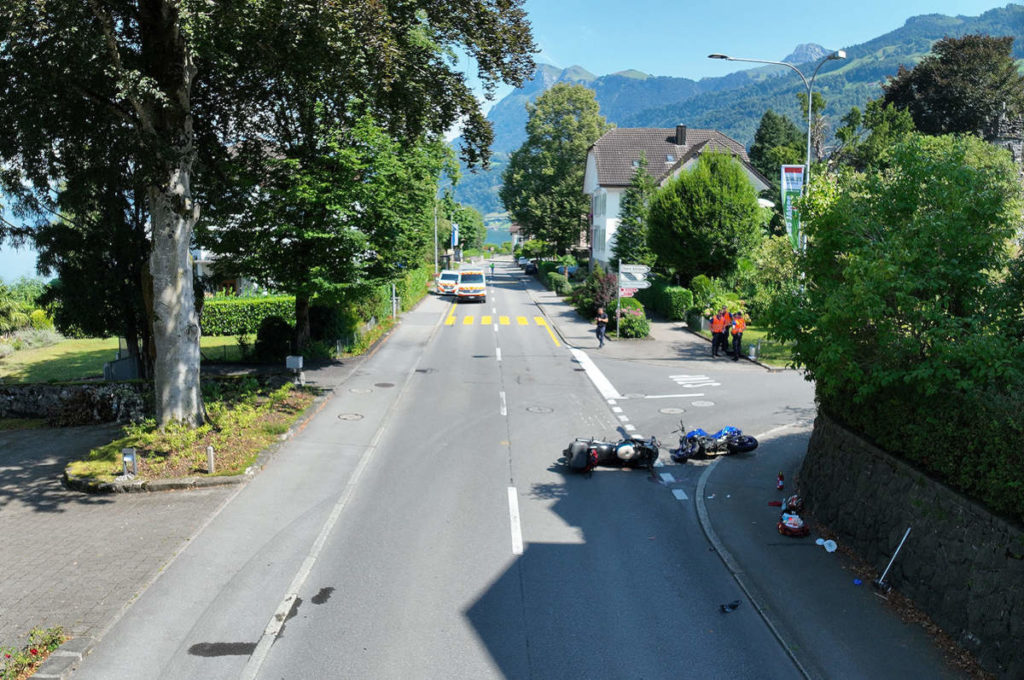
x: 455, y: 235
x: 792, y: 188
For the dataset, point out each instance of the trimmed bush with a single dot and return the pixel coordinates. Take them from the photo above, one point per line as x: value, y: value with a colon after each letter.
x: 243, y: 316
x: 558, y: 283
x: 634, y: 323
x: 273, y: 340
x: 678, y: 301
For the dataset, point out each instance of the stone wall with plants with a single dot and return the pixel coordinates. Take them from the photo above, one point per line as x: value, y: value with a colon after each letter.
x: 961, y: 564
x: 77, y: 403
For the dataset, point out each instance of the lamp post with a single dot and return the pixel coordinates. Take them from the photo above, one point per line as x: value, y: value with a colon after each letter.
x: 838, y: 54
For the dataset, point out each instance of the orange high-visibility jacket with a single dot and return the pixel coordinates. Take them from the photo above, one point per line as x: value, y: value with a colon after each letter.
x: 717, y: 324
x: 739, y: 325
x: 727, y: 318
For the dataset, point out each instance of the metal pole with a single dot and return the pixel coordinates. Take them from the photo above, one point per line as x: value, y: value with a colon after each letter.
x: 618, y: 297
x: 435, y: 229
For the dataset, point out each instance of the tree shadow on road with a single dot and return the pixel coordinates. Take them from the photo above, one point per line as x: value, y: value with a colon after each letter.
x: 32, y: 463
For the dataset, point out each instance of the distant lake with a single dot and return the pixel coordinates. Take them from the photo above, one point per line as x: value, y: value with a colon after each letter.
x: 498, y: 236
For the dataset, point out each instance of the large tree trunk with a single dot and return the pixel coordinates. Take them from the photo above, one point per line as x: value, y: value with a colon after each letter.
x: 173, y: 214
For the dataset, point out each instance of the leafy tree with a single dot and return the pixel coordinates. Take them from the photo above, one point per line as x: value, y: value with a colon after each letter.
x: 631, y: 236
x: 705, y: 218
x: 866, y: 140
x: 357, y: 208
x: 777, y: 142
x: 472, y: 231
x: 542, y: 188
x: 901, y: 327
x: 183, y: 79
x: 12, y: 314
x: 962, y: 86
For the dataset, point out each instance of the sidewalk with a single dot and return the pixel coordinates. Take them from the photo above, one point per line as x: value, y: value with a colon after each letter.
x: 831, y: 627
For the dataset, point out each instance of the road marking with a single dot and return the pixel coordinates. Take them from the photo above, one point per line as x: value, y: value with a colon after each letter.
x: 494, y: 310
x: 541, y: 322
x: 498, y: 352
x: 616, y: 409
x: 495, y: 328
x: 671, y: 396
x: 630, y: 428
x: 450, y: 320
x: 667, y: 477
x: 603, y: 385
x: 468, y: 320
x: 517, y: 529
x: 679, y: 494
x: 694, y: 381
x: 612, y: 402
x: 504, y: 408
x: 485, y: 321
x: 503, y: 320
x: 521, y: 320
x: 623, y: 418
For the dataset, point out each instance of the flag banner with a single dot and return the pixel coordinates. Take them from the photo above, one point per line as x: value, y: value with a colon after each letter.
x: 455, y: 235
x: 792, y: 188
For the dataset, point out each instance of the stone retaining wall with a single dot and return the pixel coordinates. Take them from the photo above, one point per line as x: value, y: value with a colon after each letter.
x: 961, y: 565
x: 75, y: 404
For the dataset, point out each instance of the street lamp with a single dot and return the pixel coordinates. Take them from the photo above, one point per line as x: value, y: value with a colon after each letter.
x: 838, y: 54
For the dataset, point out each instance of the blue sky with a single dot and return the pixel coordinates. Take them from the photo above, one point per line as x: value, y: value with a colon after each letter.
x: 673, y: 38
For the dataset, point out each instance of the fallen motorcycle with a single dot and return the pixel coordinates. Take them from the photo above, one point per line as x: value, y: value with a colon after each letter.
x: 583, y: 455
x: 697, y: 443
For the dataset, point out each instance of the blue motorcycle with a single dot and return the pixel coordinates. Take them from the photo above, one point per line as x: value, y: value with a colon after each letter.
x: 697, y: 443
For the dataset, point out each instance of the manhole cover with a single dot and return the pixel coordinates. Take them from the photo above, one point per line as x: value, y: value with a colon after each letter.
x: 383, y: 384
x: 350, y: 416
x: 633, y: 395
x: 703, y: 403
x: 360, y: 390
x: 539, y: 409
x: 671, y: 410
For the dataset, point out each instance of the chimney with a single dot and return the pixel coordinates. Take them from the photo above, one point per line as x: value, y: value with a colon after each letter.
x: 680, y: 135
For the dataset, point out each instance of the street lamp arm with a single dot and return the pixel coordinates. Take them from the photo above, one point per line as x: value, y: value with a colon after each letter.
x: 763, y: 61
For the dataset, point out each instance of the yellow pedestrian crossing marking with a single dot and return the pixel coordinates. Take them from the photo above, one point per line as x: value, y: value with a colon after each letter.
x: 468, y: 320
x: 503, y: 320
x: 450, y: 321
x: 485, y: 321
x: 521, y: 320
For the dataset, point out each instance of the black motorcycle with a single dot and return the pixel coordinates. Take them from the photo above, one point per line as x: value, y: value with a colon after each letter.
x: 583, y: 455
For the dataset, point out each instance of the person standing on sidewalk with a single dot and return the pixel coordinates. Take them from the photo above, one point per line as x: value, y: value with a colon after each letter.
x: 726, y: 328
x: 717, y: 334
x: 739, y: 324
x: 602, y: 322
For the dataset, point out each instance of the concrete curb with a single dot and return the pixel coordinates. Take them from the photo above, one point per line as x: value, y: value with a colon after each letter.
x: 737, y: 573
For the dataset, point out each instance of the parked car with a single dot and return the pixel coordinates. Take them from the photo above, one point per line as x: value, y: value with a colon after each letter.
x: 472, y: 285
x: 447, y: 280
x: 530, y: 268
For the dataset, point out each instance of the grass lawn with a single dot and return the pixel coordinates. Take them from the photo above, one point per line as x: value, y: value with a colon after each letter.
x: 772, y: 353
x: 72, y: 360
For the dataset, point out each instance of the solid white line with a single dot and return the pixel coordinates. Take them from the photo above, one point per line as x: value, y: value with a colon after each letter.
x: 672, y: 396
x: 603, y: 385
x: 498, y: 351
x: 679, y: 494
x: 517, y: 530
x: 273, y: 628
x: 667, y: 477
x: 504, y: 408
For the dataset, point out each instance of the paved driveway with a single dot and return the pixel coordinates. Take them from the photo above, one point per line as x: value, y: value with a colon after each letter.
x: 74, y: 559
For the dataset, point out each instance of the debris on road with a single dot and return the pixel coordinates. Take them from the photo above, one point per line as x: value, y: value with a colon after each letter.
x: 731, y: 607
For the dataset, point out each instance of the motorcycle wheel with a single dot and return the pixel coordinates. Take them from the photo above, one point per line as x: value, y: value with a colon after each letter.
x: 741, y: 444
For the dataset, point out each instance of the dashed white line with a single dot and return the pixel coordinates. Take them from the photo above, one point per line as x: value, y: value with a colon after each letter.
x: 616, y: 409
x: 624, y: 419
x: 630, y: 428
x: 517, y: 530
x: 671, y: 396
x: 679, y: 494
x: 498, y: 353
x: 504, y: 408
x: 667, y: 477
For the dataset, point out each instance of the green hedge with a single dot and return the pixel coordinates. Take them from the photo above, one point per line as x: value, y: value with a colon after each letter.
x: 671, y: 302
x: 558, y: 283
x: 243, y: 316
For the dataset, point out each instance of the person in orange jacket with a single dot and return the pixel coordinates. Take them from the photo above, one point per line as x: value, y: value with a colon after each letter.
x: 717, y: 333
x: 739, y: 324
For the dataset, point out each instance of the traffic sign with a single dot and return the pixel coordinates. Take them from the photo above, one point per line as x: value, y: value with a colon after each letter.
x: 636, y: 284
x: 634, y: 268
x: 626, y: 292
x: 631, y: 277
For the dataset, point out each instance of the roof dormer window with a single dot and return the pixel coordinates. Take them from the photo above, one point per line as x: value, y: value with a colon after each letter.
x: 669, y: 158
x: 636, y: 164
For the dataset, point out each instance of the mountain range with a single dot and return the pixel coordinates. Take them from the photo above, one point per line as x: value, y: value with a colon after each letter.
x: 733, y: 103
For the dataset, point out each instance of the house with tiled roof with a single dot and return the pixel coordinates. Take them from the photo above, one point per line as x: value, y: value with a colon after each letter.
x: 613, y: 159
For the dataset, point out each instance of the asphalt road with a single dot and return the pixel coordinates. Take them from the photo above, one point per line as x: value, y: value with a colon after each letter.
x: 420, y: 527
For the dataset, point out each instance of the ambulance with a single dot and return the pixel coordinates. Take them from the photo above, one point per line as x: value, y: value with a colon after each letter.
x: 447, y: 281
x: 471, y: 286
